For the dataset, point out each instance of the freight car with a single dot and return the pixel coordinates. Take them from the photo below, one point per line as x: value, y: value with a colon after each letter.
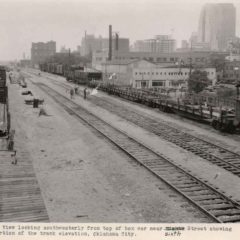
x: 83, y: 76
x: 228, y: 121
x: 4, y: 109
x: 2, y: 76
x: 59, y: 69
x: 53, y: 68
x: 70, y: 72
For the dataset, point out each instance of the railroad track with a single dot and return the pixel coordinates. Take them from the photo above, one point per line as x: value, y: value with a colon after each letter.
x: 211, y: 152
x: 209, y: 200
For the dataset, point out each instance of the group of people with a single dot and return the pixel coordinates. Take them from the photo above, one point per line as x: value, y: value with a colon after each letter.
x: 75, y: 91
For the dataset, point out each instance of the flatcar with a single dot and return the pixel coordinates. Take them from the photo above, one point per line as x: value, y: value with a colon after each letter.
x: 222, y: 119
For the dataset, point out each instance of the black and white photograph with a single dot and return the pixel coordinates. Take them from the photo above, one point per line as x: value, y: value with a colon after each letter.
x: 120, y: 111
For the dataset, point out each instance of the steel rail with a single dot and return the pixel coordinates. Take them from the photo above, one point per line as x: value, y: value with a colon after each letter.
x: 201, y: 148
x: 206, y: 198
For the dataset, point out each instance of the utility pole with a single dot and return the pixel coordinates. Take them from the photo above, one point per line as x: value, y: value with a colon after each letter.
x: 69, y: 57
x: 190, y: 64
x: 110, y: 44
x: 85, y: 43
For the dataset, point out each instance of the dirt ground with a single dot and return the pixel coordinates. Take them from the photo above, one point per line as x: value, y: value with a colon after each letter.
x: 84, y: 178
x: 215, y: 175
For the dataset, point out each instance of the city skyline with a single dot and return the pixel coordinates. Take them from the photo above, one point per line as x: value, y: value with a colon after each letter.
x: 65, y: 22
x: 217, y: 24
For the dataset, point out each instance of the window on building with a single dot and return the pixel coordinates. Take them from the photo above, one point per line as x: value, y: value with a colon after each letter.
x: 164, y: 59
x: 135, y: 73
x: 144, y: 84
x: 158, y: 59
x: 158, y: 83
x: 171, y: 59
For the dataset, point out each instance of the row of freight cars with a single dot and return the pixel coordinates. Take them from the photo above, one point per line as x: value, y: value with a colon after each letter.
x: 5, y: 115
x: 220, y: 118
x: 223, y: 119
x: 75, y: 73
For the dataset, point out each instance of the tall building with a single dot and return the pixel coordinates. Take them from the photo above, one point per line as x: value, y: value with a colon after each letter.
x: 217, y: 25
x: 91, y: 44
x: 185, y: 44
x: 161, y: 43
x: 41, y: 51
x: 63, y: 49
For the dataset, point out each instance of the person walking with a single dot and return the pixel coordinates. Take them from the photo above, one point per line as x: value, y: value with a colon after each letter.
x: 76, y: 90
x: 85, y: 93
x: 71, y: 93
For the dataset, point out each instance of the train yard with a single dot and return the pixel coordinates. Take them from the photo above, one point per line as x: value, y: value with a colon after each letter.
x: 128, y: 159
x: 220, y: 156
x: 219, y: 207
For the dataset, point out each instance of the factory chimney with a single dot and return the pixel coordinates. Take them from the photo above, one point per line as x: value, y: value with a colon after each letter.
x: 110, y: 43
x: 116, y: 43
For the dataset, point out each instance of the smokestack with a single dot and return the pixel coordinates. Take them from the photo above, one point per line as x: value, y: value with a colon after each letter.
x: 110, y: 43
x: 237, y: 87
x: 116, y: 43
x: 85, y: 43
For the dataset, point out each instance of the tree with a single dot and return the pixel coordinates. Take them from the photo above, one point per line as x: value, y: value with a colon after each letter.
x: 218, y: 61
x: 197, y: 81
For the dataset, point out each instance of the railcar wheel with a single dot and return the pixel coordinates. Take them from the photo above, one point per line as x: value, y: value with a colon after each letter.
x: 216, y: 124
x: 230, y: 128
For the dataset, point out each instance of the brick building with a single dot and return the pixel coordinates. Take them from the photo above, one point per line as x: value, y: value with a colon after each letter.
x: 41, y: 51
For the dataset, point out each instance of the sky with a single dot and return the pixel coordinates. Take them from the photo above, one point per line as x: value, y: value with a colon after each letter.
x: 65, y: 21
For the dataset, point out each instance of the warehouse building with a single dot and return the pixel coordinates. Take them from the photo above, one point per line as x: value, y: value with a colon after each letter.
x: 145, y: 74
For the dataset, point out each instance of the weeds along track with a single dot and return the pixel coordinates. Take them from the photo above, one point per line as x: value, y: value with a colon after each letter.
x: 207, y: 199
x: 211, y: 152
